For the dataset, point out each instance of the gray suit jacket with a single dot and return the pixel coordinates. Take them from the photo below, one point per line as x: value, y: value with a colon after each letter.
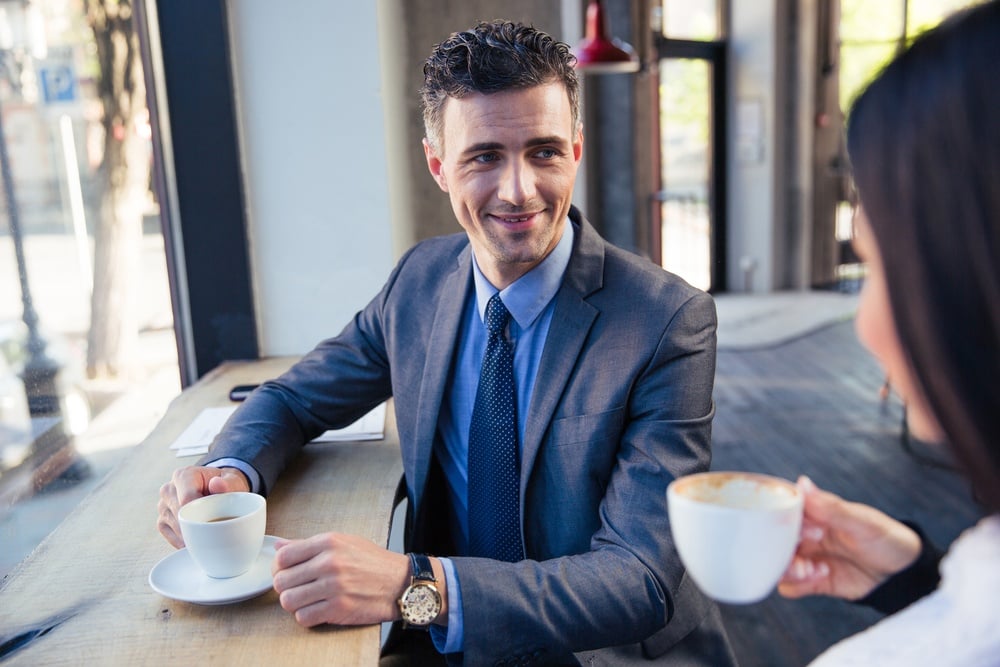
x: 622, y: 405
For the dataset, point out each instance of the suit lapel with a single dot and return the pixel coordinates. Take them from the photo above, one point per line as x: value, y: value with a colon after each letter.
x: 437, y: 366
x: 571, y: 323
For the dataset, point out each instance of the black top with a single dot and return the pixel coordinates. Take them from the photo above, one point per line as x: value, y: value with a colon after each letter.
x: 909, y: 585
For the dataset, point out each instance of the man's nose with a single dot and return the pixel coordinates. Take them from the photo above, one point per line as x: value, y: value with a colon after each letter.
x: 517, y: 183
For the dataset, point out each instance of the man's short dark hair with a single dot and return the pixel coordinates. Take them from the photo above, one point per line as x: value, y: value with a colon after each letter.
x: 493, y: 57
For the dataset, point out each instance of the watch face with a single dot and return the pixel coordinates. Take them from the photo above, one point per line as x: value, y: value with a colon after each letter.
x: 420, y: 604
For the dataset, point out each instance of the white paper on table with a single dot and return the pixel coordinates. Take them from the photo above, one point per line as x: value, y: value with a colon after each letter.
x: 196, y: 438
x: 369, y: 427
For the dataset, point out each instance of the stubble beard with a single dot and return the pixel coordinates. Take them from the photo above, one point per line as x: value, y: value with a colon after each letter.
x: 525, y: 248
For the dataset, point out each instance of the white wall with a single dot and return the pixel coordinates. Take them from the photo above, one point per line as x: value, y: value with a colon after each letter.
x: 752, y: 209
x: 312, y: 137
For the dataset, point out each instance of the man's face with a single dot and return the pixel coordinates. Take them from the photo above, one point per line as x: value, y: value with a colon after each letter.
x: 509, y: 163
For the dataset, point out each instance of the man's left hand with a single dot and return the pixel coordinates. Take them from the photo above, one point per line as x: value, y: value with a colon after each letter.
x: 340, y: 579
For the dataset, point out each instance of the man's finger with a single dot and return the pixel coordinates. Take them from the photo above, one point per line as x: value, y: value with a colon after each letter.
x: 170, y: 534
x: 226, y: 481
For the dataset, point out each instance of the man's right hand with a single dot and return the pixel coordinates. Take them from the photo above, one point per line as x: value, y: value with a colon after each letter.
x: 189, y: 483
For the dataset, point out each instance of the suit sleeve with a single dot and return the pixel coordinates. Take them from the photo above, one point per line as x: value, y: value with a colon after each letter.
x: 628, y: 585
x: 332, y: 386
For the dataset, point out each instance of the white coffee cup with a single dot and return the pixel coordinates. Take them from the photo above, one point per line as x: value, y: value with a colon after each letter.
x: 224, y: 532
x: 735, y: 532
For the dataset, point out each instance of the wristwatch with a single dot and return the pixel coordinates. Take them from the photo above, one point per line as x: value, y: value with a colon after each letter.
x: 421, y: 601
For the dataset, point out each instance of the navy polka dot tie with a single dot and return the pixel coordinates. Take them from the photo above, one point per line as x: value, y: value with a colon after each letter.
x: 494, y: 457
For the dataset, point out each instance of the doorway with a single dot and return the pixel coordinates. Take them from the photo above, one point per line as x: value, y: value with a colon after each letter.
x: 689, y: 213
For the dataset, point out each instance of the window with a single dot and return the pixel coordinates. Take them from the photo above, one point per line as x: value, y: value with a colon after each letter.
x: 686, y: 158
x: 691, y: 19
x: 689, y: 228
x: 871, y: 33
x: 74, y: 390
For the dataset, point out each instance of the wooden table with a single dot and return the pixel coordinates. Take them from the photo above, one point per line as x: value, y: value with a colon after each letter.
x: 88, y: 580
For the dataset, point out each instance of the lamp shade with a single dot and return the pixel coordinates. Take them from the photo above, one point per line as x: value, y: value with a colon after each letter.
x: 599, y: 54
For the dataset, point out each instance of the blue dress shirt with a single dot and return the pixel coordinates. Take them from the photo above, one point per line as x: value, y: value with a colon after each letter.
x: 530, y: 301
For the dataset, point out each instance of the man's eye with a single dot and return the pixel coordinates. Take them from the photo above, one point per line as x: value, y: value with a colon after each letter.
x: 486, y: 158
x: 547, y: 153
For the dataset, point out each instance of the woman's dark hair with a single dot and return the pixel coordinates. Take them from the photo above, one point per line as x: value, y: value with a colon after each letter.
x: 924, y: 141
x: 490, y: 58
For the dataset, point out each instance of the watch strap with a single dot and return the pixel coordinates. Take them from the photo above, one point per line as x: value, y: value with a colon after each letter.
x: 422, y: 570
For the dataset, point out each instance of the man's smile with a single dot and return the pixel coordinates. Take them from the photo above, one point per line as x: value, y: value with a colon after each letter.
x: 515, y: 222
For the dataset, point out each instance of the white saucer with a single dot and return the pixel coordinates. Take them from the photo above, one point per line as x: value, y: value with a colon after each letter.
x: 178, y: 577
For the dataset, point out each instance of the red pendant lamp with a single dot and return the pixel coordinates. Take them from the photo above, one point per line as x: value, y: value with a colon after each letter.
x: 599, y: 54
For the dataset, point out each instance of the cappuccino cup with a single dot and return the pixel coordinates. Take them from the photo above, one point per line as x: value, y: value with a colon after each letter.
x: 224, y: 532
x: 736, y: 532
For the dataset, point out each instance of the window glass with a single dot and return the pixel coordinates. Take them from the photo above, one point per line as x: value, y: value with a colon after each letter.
x: 871, y: 33
x: 690, y: 19
x: 865, y: 21
x: 685, y: 156
x: 88, y: 359
x: 922, y: 15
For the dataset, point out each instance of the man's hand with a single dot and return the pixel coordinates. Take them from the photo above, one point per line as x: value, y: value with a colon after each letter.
x: 189, y: 483
x: 342, y: 579
x: 847, y: 549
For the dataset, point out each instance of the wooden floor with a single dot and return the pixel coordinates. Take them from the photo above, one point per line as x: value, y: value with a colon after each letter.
x: 811, y: 406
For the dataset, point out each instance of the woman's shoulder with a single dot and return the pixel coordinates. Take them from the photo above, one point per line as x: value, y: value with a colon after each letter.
x: 973, y: 563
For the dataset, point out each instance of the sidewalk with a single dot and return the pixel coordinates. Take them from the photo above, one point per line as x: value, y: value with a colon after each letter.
x: 125, y: 422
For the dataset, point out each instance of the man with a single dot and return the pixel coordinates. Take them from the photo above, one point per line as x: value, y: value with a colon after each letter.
x: 558, y: 552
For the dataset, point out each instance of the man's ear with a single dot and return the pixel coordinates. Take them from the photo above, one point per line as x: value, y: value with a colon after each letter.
x: 578, y: 144
x: 434, y: 165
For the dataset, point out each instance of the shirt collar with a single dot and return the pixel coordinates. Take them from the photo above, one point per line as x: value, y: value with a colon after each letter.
x: 528, y: 296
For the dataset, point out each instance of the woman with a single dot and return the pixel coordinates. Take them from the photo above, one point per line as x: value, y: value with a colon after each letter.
x: 924, y: 141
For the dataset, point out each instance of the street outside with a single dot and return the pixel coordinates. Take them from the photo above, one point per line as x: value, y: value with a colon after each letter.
x: 124, y: 410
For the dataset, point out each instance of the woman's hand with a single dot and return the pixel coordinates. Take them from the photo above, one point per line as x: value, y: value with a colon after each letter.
x: 846, y: 549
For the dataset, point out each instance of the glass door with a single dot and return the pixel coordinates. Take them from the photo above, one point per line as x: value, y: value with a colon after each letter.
x: 691, y: 122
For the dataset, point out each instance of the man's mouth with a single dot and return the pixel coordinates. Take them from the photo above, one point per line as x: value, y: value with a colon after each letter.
x: 515, y: 222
